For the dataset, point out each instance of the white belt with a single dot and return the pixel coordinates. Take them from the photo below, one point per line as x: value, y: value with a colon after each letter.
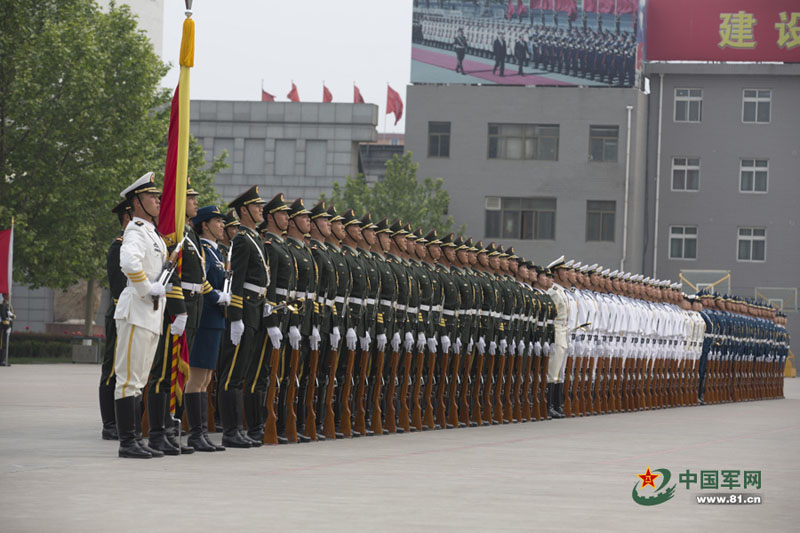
x: 506, y: 317
x: 306, y: 295
x: 463, y: 312
x: 425, y: 308
x: 494, y: 314
x: 325, y: 301
x: 387, y: 303
x: 193, y: 287
x: 515, y: 317
x: 339, y: 299
x: 412, y: 310
x: 281, y: 292
x: 438, y: 308
x: 261, y: 291
x: 358, y: 301
x: 370, y: 301
x: 540, y: 324
x: 449, y: 312
x: 550, y: 322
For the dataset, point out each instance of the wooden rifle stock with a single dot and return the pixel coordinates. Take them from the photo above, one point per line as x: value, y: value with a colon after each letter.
x: 498, y: 389
x: 291, y: 397
x: 466, y: 391
x: 441, y: 389
x: 543, y: 388
x: 377, y: 414
x: 452, y: 393
x: 347, y: 390
x: 390, y: 416
x: 428, y: 416
x: 536, y: 363
x: 404, y: 418
x: 270, y: 427
x: 416, y: 408
x: 329, y: 420
x: 360, y: 423
x: 567, y: 408
x: 524, y: 390
x: 477, y: 390
x: 310, y: 423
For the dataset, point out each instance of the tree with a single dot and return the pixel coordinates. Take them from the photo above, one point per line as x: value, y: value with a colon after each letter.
x: 81, y: 117
x: 400, y: 194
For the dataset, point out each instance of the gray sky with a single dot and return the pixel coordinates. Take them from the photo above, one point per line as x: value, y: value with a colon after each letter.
x: 239, y: 42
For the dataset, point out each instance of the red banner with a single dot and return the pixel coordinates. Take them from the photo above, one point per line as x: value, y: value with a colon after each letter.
x: 6, y: 259
x: 166, y: 214
x: 723, y: 30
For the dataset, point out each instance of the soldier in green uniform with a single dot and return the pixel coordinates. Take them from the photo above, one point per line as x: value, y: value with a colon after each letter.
x: 117, y: 281
x: 367, y: 357
x: 273, y: 326
x: 468, y: 321
x: 248, y: 292
x: 448, y: 334
x: 429, y: 313
x: 184, y: 306
x: 304, y: 335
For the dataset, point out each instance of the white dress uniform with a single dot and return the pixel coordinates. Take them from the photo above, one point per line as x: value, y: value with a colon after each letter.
x: 557, y: 356
x: 142, y: 257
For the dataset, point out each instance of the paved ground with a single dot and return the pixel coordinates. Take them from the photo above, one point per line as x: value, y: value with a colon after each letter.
x: 56, y: 473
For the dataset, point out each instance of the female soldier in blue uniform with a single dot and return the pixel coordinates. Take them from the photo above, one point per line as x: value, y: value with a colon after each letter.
x: 203, y: 358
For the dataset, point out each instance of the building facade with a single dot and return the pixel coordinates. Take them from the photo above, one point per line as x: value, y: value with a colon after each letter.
x: 724, y: 179
x: 540, y: 168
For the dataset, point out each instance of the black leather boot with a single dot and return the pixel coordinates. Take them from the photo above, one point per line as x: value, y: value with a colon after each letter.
x: 157, y: 437
x: 231, y: 415
x: 125, y: 415
x: 173, y: 428
x: 552, y: 401
x: 138, y: 425
x: 194, y: 417
x: 106, y: 394
x: 204, y: 415
x: 560, y: 400
x: 254, y: 416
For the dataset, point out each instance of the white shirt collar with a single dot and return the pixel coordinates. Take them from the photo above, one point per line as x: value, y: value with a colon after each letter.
x: 212, y: 243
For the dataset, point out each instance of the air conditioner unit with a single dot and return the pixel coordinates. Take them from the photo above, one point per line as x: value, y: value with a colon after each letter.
x: 493, y: 203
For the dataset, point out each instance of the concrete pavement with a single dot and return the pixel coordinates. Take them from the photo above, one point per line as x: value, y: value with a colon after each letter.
x: 56, y: 474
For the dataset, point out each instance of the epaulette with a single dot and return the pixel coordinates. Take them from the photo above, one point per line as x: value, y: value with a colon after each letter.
x: 118, y: 239
x: 139, y: 223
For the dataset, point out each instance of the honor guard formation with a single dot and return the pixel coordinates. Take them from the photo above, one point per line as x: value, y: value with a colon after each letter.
x: 310, y: 324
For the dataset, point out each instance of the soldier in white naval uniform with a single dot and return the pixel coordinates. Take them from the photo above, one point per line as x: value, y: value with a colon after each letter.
x: 139, y: 313
x: 555, y: 383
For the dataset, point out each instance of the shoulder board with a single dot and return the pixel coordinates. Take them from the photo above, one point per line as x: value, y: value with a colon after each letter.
x: 118, y: 239
x: 139, y: 223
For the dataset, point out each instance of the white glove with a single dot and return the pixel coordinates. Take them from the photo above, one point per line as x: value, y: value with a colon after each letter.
x: 351, y: 338
x: 546, y: 348
x: 492, y: 348
x: 521, y: 348
x: 157, y: 290
x: 365, y: 342
x: 503, y: 346
x: 381, y: 342
x: 537, y: 348
x: 178, y: 324
x: 420, y: 341
x: 470, y: 345
x: 315, y: 338
x: 237, y: 329
x: 336, y: 336
x: 223, y: 298
x: 408, y: 341
x: 396, y: 341
x: 432, y: 344
x: 512, y: 347
x: 481, y: 345
x: 445, y: 343
x: 294, y: 338
x: 275, y: 336
x: 267, y: 309
x: 457, y: 345
x: 531, y: 348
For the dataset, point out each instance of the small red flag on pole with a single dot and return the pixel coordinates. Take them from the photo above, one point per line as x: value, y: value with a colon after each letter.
x: 266, y: 97
x: 326, y: 94
x: 293, y: 95
x: 394, y: 104
x: 357, y: 98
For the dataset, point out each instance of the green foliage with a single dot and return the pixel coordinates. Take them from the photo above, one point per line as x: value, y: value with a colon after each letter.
x: 81, y: 117
x: 37, y: 345
x: 400, y: 194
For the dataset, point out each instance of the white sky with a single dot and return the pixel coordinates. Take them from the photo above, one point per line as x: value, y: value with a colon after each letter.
x: 239, y: 42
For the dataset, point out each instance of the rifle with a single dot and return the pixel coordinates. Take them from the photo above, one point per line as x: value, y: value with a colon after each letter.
x: 428, y: 417
x: 404, y: 416
x: 524, y: 390
x: 508, y: 407
x: 376, y: 414
x: 360, y: 424
x: 498, y: 387
x: 543, y: 388
x: 347, y: 390
x: 291, y: 396
x: 226, y: 286
x: 390, y: 415
x: 567, y: 407
x: 477, y: 390
x: 270, y: 427
x: 168, y: 269
x: 416, y: 408
x: 488, y: 392
x: 441, y: 388
x: 310, y: 424
x: 329, y: 417
x: 535, y: 407
x: 465, y: 400
x: 452, y: 393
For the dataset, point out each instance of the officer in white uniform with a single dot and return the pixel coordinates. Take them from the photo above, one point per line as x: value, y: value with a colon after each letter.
x: 139, y: 313
x: 555, y: 383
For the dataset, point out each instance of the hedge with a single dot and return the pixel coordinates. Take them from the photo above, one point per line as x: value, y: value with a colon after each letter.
x: 34, y: 345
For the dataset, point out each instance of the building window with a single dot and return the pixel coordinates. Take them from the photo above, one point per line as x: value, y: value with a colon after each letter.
x: 600, y: 220
x: 683, y: 242
x: 438, y: 139
x: 284, y: 157
x: 753, y: 175
x: 523, y: 141
x: 756, y: 106
x: 316, y: 157
x: 752, y: 244
x: 685, y: 174
x: 688, y: 105
x: 603, y: 143
x: 521, y: 218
